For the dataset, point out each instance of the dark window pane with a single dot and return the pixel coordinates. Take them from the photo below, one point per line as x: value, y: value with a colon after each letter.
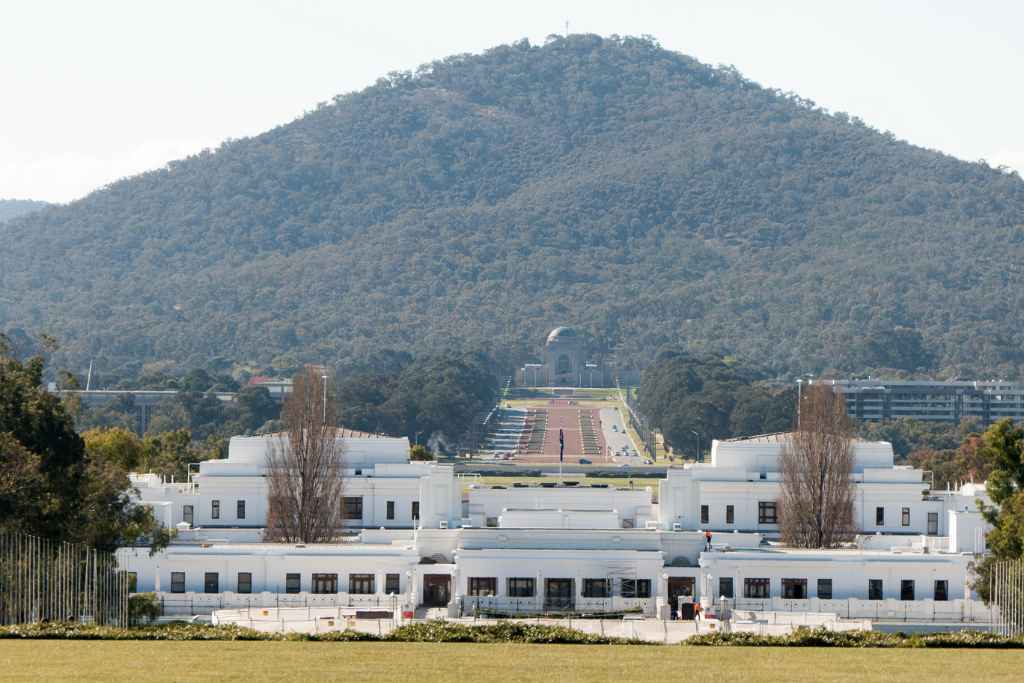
x: 391, y: 509
x: 521, y: 588
x: 907, y: 589
x: 392, y: 584
x: 596, y: 588
x: 757, y: 588
x: 177, y: 582
x: 215, y: 509
x: 825, y: 589
x: 874, y: 589
x: 211, y: 582
x: 483, y: 585
x: 704, y: 514
x: 292, y: 583
x: 725, y: 587
x: 941, y: 590
x: 361, y: 584
x: 244, y: 582
x: 730, y: 514
x: 240, y: 509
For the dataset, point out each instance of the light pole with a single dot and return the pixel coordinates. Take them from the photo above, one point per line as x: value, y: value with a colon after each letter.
x: 324, y: 378
x: 700, y: 453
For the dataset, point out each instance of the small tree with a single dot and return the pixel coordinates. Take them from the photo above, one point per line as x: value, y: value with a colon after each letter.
x: 817, y: 461
x: 304, y: 467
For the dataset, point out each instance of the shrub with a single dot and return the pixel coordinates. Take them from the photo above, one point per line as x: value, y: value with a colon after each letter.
x: 822, y: 637
x: 143, y: 607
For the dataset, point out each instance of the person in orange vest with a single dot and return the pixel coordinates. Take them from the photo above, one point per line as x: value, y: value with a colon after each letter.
x: 707, y: 539
x: 696, y: 611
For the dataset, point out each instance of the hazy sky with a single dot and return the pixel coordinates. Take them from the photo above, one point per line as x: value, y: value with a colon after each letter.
x: 94, y: 91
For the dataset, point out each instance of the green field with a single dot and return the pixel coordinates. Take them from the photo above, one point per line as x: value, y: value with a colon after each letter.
x: 298, y: 661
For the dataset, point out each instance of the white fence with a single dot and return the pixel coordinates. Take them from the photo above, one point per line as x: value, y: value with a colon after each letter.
x: 323, y: 620
x: 175, y: 604
x: 949, y: 611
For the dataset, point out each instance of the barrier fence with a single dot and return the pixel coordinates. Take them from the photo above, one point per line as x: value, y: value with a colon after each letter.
x: 1006, y: 590
x: 44, y: 580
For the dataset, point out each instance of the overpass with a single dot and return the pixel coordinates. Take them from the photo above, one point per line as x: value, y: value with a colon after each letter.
x: 141, y: 400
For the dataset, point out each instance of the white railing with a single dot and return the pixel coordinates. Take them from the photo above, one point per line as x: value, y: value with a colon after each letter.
x: 175, y: 604
x: 950, y: 611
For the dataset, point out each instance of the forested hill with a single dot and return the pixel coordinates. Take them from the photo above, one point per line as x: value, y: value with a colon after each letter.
x: 12, y: 208
x: 608, y: 184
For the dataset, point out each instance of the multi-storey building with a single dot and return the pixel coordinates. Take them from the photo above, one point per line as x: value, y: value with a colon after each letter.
x: 878, y: 400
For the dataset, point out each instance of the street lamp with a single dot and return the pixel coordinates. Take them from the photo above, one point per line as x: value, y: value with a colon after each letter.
x: 324, y: 378
x: 700, y: 453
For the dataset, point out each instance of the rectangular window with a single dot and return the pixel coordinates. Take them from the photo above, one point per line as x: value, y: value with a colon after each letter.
x: 905, y: 517
x: 725, y: 587
x: 353, y: 507
x: 325, y: 584
x: 730, y: 514
x: 941, y: 590
x: 824, y: 589
x: 635, y: 588
x: 879, y: 516
x: 596, y: 588
x: 874, y: 589
x: 794, y: 589
x: 757, y: 588
x: 907, y: 589
x: 187, y: 514
x: 240, y: 509
x: 214, y: 509
x: 521, y: 587
x: 177, y: 582
x: 705, y: 516
x: 244, y: 582
x: 483, y: 585
x: 392, y: 584
x: 133, y: 582
x: 292, y: 583
x: 767, y: 512
x: 361, y: 584
x: 933, y: 523
x: 391, y: 509
x: 211, y: 582
x: 415, y: 509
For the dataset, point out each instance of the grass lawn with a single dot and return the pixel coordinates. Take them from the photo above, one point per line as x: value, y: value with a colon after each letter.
x: 254, y: 661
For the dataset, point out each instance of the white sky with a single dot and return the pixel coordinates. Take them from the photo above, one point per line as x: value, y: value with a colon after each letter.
x: 94, y: 91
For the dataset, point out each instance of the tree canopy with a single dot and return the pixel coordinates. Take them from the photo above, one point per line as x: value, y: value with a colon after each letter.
x: 50, y: 485
x: 605, y: 183
x: 694, y: 399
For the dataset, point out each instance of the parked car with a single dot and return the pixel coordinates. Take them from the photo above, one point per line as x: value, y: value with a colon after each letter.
x: 584, y: 461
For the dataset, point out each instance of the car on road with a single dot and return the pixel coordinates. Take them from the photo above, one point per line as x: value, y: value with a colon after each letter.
x: 584, y: 461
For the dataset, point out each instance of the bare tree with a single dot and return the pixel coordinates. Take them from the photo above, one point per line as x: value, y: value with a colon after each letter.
x: 304, y: 467
x: 817, y: 463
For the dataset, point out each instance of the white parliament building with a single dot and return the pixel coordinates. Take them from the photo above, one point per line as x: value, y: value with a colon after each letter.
x: 415, y: 543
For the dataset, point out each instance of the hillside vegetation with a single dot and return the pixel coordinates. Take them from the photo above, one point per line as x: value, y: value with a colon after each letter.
x: 635, y: 193
x: 12, y: 208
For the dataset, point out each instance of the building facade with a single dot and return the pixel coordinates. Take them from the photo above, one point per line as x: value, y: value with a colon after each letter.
x: 881, y: 400
x: 419, y: 545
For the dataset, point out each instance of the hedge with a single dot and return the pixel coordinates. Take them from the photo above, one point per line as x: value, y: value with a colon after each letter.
x: 510, y: 632
x: 432, y: 631
x: 822, y: 637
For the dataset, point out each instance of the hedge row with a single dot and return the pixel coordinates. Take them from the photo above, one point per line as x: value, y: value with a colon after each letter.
x: 432, y: 631
x: 822, y: 637
x: 511, y: 632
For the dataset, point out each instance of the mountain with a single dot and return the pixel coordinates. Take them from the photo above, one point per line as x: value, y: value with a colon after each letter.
x: 12, y: 208
x: 648, y: 199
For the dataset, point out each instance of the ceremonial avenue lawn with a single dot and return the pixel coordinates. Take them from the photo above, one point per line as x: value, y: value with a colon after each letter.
x: 303, y: 661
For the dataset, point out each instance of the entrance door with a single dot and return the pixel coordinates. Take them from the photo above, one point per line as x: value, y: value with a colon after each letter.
x: 437, y: 590
x: 679, y: 587
x: 559, y: 594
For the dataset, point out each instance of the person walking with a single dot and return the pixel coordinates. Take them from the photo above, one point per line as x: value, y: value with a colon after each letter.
x: 707, y: 539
